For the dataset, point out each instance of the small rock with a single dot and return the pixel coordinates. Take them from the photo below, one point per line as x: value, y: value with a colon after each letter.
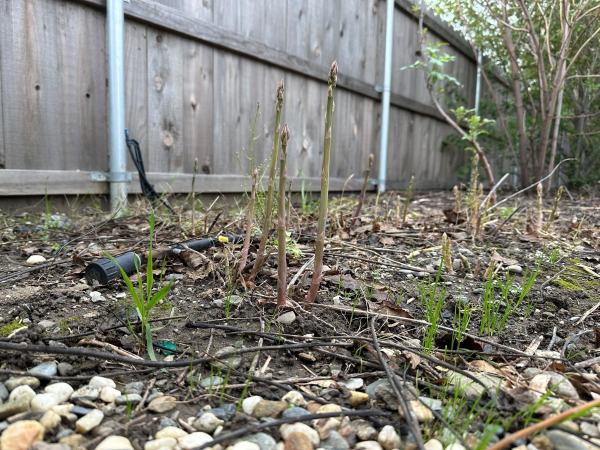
x: 162, y: 404
x: 263, y: 440
x: 172, y: 432
x: 11, y: 408
x: 3, y: 393
x: 44, y: 402
x: 134, y: 388
x: 541, y: 442
x: 21, y: 435
x: 232, y: 359
x: 295, y: 398
x: 269, y: 408
x: 364, y: 430
x: 371, y: 388
x: 45, y: 368
x: 423, y: 413
x: 298, y: 441
x: 368, y: 445
x: 131, y: 399
x: 296, y: 411
x: 109, y: 394
x: 90, y: 393
x: 50, y: 420
x: 455, y: 446
x: 388, y: 438
x: 80, y: 410
x: 334, y: 442
x: 65, y: 369
x: 115, y: 443
x: 514, y: 269
x: 20, y: 393
x: 12, y: 383
x: 35, y: 259
x: 98, y: 298
x: 73, y: 440
x: 27, y: 415
x: 207, y: 422
x: 245, y: 445
x: 358, y: 398
x: 249, y: 403
x: 352, y: 384
x: 329, y: 408
x: 433, y: 444
x: 89, y: 421
x: 209, y: 382
x: 101, y: 382
x: 41, y: 445
x: 432, y: 403
x: 385, y: 394
x: 287, y: 319
x: 590, y: 430
x: 160, y: 444
x: 325, y: 425
x: 166, y: 422
x: 62, y: 391
x: 46, y: 324
x: 565, y: 441
x: 225, y: 412
x: 288, y: 428
x: 193, y: 440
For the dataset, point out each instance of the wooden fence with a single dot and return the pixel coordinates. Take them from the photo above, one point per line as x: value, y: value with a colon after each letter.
x: 194, y: 71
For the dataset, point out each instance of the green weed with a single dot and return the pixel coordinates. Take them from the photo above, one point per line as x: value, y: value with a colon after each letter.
x: 432, y: 299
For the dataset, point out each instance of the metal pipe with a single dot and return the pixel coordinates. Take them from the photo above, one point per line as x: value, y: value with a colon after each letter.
x: 478, y: 84
x: 116, y: 103
x: 385, y: 99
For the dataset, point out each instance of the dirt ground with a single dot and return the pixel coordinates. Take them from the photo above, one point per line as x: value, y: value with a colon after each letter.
x: 381, y: 267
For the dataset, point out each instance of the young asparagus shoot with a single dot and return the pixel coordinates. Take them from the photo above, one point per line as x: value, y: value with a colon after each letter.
x: 457, y: 199
x: 281, y: 229
x: 410, y: 185
x: 194, y: 197
x: 260, y: 255
x: 288, y: 216
x: 540, y: 213
x: 320, y: 244
x: 363, y: 191
x: 250, y: 221
x: 397, y: 211
x: 554, y: 208
x: 446, y: 254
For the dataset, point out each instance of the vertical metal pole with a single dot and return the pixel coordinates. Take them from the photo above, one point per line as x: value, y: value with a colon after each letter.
x: 385, y: 99
x: 478, y: 85
x: 116, y: 103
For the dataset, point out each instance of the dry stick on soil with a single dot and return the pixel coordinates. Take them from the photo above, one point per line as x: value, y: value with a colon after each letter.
x: 140, y: 405
x: 249, y: 223
x: 409, y: 414
x: 363, y: 191
x: 260, y: 255
x: 320, y: 244
x: 281, y: 229
x: 446, y: 255
x: 543, y: 425
x: 410, y: 185
x: 539, y: 219
x: 397, y: 211
x: 554, y: 208
x: 194, y: 197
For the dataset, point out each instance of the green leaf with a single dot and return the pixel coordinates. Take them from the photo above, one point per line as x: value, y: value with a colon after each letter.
x: 159, y: 295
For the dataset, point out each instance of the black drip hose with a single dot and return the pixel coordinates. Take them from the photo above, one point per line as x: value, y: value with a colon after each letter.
x: 147, y: 188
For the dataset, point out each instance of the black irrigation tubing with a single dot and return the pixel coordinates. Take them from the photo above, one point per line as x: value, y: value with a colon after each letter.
x: 409, y: 415
x: 254, y: 428
x: 33, y: 348
x: 272, y: 336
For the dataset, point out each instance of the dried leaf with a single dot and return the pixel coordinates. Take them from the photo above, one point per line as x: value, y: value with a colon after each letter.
x: 386, y: 240
x: 392, y: 310
x: 502, y: 259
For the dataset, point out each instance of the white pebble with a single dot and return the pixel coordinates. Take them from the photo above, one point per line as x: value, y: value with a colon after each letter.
x: 35, y: 259
x: 245, y: 445
x: 194, y: 440
x: 115, y: 442
x: 249, y: 403
x: 62, y: 391
x: 160, y: 444
x: 21, y: 392
x: 90, y: 421
x: 295, y: 398
x: 101, y: 382
x: 109, y: 394
x: 44, y: 402
x: 388, y: 438
x: 172, y: 432
x: 287, y: 428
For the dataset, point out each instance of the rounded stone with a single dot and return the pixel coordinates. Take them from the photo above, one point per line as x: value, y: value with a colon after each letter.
x: 249, y: 403
x: 433, y: 444
x: 514, y: 269
x: 131, y: 399
x: 114, y: 443
x: 44, y: 402
x: 62, y: 391
x: 101, y: 382
x: 90, y: 393
x: 210, y: 382
x: 298, y: 441
x: 3, y: 392
x: 232, y: 359
x: 35, y: 259
x: 172, y: 432
x: 295, y: 398
x: 294, y: 412
x: 160, y: 444
x: 90, y: 421
x: 335, y: 441
x: 288, y: 428
x: 358, y: 398
x: 287, y: 319
x: 20, y: 393
x: 269, y: 408
x: 263, y: 440
x: 45, y: 368
x: 21, y: 435
x: 162, y: 404
x: 329, y: 408
x: 388, y: 438
x: 109, y: 394
x: 368, y: 445
x: 194, y: 440
x: 12, y: 383
x: 50, y: 420
x: 207, y: 422
x: 352, y: 384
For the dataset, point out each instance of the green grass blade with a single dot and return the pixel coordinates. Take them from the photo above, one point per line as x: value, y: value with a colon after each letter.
x: 149, y: 274
x: 159, y: 295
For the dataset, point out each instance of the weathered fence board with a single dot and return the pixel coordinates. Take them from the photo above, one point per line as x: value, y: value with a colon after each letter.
x: 195, y: 71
